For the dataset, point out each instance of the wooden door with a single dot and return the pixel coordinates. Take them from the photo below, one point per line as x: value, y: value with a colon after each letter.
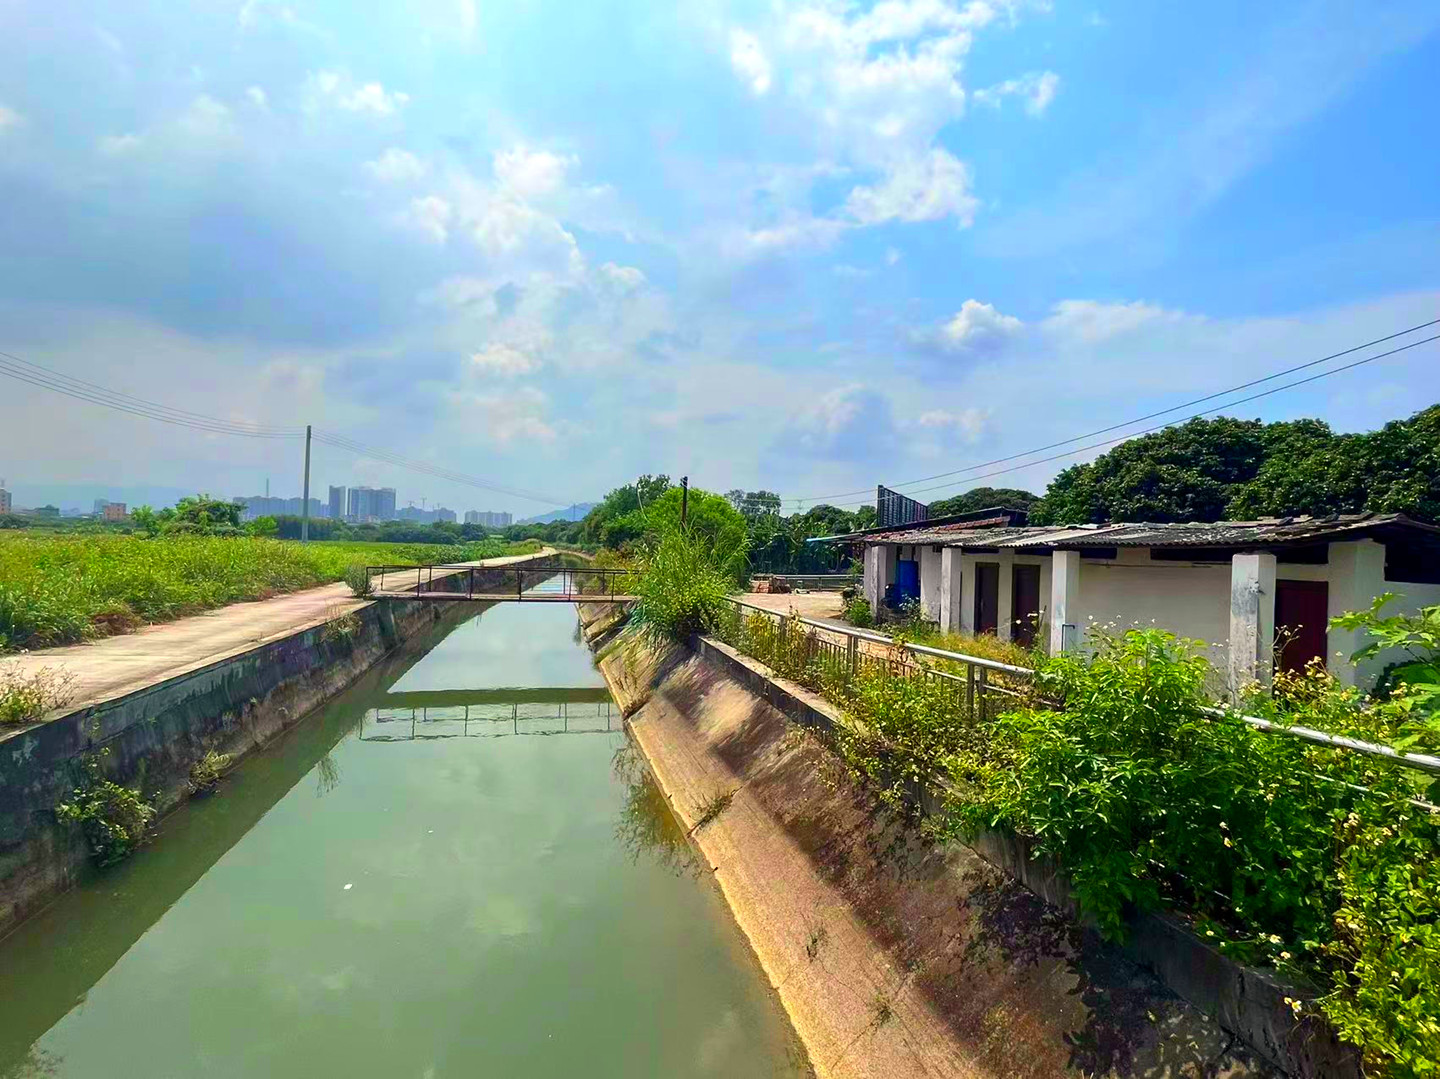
x: 987, y: 597
x: 1025, y: 603
x: 1302, y: 613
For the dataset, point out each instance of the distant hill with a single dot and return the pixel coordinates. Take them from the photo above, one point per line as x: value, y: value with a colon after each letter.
x: 570, y: 513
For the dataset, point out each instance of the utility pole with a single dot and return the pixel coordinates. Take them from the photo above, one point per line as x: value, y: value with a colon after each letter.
x: 684, y: 498
x: 304, y: 498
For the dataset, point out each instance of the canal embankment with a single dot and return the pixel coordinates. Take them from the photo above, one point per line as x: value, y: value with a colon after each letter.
x: 147, y: 707
x: 894, y: 955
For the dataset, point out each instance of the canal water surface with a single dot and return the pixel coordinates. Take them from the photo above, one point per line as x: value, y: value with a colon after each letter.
x: 455, y: 869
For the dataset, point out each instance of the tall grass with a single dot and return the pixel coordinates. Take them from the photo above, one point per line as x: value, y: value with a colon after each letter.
x: 683, y: 586
x: 66, y: 588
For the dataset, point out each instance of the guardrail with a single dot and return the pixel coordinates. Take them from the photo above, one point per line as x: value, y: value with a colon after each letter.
x: 980, y: 686
x: 819, y: 582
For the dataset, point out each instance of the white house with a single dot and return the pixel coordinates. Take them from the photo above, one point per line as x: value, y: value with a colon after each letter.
x: 1232, y: 584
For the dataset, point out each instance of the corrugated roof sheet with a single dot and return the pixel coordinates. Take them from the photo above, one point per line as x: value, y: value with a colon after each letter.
x: 1261, y: 533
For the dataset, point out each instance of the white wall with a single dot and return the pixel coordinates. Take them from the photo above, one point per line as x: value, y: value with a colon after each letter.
x: 1187, y: 599
x: 929, y: 559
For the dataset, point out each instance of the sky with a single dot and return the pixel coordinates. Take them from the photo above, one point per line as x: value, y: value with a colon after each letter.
x: 807, y: 246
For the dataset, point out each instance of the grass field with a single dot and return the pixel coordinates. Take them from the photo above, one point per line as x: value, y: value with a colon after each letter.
x: 65, y: 588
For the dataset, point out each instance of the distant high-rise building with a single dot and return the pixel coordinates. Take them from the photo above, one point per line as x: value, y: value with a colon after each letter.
x: 443, y: 514
x: 99, y: 506
x: 5, y: 503
x: 337, y: 503
x: 265, y: 506
x: 488, y: 518
x: 371, y: 504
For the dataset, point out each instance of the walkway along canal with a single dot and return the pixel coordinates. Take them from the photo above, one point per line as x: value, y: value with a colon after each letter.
x: 428, y: 877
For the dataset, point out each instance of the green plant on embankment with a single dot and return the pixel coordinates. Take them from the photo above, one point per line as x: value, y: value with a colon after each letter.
x: 58, y: 589
x: 683, y: 587
x: 114, y: 820
x: 206, y: 773
x: 25, y: 698
x: 1313, y: 860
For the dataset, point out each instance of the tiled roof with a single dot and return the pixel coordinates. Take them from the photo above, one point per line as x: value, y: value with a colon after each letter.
x: 1262, y: 533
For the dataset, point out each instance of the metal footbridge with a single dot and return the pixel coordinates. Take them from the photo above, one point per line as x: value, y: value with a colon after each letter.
x: 502, y: 584
x: 490, y: 713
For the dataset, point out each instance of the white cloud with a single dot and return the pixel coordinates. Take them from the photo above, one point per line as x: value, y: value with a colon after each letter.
x: 206, y: 120
x: 532, y: 174
x: 622, y: 278
x: 968, y: 424
x: 505, y: 418
x: 1038, y: 89
x: 748, y: 59
x: 469, y: 18
x: 922, y: 189
x: 1091, y: 321
x: 341, y: 91
x: 892, y: 256
x: 9, y: 118
x: 396, y: 166
x: 974, y: 326
x: 117, y: 145
x: 257, y: 97
x: 503, y: 361
x: 432, y: 216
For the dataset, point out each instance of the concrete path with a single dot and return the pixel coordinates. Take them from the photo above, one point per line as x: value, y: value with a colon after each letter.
x: 114, y: 666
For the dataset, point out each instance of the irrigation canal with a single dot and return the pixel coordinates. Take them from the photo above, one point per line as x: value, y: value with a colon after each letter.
x: 406, y: 885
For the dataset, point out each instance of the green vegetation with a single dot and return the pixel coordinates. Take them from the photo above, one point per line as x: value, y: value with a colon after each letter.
x: 57, y: 589
x: 682, y: 588
x: 25, y: 698
x: 115, y: 820
x: 206, y: 773
x: 858, y: 613
x: 1316, y: 861
x: 358, y: 578
x: 713, y: 806
x: 1208, y: 470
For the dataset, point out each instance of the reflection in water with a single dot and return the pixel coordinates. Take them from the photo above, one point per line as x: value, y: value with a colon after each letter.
x: 327, y: 775
x: 647, y: 825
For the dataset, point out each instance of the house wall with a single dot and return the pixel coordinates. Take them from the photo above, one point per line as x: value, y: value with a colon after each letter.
x: 929, y: 583
x: 1188, y: 599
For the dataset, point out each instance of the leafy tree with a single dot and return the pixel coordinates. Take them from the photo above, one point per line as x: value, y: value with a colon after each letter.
x: 201, y: 514
x: 982, y: 498
x: 267, y: 527
x: 146, y: 520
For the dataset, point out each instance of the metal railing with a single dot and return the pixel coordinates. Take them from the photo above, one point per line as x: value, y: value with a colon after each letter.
x: 981, y: 683
x: 458, y: 580
x: 816, y: 582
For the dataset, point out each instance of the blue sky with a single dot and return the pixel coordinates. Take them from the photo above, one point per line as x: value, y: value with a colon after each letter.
x: 808, y: 246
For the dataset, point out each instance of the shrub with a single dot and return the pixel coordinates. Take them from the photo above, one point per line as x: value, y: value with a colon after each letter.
x: 682, y: 588
x: 205, y: 774
x: 115, y: 820
x: 25, y: 698
x: 358, y: 578
x: 857, y: 612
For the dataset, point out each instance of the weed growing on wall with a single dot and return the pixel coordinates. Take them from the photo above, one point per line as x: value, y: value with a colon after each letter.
x: 205, y: 774
x: 114, y: 820
x: 25, y: 698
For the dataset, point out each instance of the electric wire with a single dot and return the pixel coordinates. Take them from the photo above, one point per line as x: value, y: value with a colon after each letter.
x: 1138, y: 419
x: 1160, y: 427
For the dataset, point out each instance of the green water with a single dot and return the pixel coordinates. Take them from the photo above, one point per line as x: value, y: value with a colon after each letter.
x: 408, y: 885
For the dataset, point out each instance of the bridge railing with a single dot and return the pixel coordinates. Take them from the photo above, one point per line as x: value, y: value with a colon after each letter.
x: 459, y: 579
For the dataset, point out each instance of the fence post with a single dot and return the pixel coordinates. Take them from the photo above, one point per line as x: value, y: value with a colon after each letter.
x: 984, y: 682
x: 471, y: 593
x: 852, y: 657
x: 970, y: 690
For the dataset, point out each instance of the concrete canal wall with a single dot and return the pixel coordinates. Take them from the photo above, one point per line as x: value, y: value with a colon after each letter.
x: 897, y: 956
x: 152, y: 737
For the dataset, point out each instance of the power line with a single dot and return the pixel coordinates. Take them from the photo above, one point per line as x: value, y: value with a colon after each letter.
x: 1141, y: 419
x: 80, y: 390
x: 1161, y: 427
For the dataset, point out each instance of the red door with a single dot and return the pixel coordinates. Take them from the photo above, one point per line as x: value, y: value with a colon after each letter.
x: 1302, y: 612
x: 1025, y: 603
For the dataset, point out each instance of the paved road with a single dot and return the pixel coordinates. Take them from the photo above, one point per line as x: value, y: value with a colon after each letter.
x: 114, y: 666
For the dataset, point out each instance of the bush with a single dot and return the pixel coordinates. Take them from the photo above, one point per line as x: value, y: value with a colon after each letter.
x: 25, y: 698
x: 358, y: 578
x: 683, y: 588
x: 857, y: 612
x: 115, y: 820
x: 205, y: 774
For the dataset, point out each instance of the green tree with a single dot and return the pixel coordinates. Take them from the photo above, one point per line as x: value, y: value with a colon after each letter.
x: 982, y: 498
x: 266, y: 527
x: 146, y: 520
x: 202, y: 514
